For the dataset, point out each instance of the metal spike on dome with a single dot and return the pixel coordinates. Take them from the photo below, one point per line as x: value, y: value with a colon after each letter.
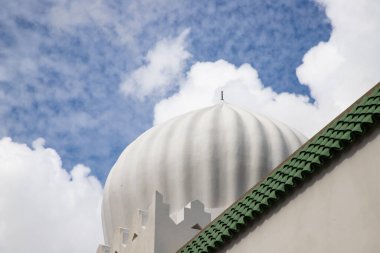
x: 221, y: 96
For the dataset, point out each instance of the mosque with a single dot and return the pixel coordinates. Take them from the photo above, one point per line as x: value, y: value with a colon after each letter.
x: 227, y: 180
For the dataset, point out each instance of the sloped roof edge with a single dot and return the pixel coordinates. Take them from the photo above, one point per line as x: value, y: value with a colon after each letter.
x: 351, y: 125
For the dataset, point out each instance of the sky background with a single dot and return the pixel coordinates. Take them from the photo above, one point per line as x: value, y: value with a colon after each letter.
x: 80, y: 80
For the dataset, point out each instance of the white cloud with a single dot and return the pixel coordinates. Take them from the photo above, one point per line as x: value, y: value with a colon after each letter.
x: 42, y: 207
x: 338, y: 72
x: 242, y: 87
x: 164, y: 65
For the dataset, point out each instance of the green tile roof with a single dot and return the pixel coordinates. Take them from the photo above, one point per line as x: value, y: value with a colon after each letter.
x: 326, y: 145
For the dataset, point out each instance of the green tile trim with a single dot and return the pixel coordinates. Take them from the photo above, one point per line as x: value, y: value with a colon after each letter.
x: 326, y: 145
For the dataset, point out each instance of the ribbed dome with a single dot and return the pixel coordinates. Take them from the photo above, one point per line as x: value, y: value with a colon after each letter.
x: 213, y: 155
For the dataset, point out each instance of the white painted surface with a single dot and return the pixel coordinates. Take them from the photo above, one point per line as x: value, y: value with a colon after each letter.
x: 212, y: 155
x: 336, y: 212
x: 156, y: 232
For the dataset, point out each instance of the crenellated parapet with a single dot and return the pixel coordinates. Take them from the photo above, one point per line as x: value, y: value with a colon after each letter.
x: 157, y: 231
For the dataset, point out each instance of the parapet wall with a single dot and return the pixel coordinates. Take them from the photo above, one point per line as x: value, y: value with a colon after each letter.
x: 156, y: 232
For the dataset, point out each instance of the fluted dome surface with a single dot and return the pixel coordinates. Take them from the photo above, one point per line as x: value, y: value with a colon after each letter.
x: 213, y: 155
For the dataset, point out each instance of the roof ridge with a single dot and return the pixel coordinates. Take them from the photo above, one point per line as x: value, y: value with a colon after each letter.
x: 334, y: 138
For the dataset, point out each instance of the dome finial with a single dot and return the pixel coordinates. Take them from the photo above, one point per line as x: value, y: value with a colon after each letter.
x: 221, y: 96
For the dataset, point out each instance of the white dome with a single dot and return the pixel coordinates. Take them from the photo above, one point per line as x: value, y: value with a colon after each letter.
x: 213, y: 155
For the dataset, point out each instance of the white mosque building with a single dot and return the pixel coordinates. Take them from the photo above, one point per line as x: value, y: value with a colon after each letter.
x: 227, y: 180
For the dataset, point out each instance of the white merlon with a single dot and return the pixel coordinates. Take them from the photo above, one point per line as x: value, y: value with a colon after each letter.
x: 103, y: 249
x: 156, y: 232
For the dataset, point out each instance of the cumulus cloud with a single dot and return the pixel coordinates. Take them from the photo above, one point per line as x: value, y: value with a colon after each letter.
x: 43, y: 208
x: 346, y: 66
x: 242, y: 87
x: 337, y: 72
x: 164, y: 65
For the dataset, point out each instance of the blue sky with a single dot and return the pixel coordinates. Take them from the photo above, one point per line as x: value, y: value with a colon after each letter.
x: 80, y: 80
x: 64, y: 62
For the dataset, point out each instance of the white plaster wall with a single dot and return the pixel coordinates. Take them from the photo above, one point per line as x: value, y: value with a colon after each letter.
x: 339, y: 211
x: 155, y: 232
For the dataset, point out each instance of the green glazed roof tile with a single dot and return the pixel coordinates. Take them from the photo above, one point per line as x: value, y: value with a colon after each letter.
x: 335, y: 138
